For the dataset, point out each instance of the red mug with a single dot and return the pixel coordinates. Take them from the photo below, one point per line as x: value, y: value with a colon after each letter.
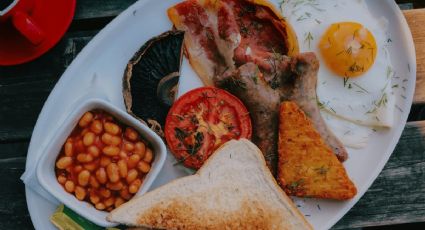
x: 18, y: 14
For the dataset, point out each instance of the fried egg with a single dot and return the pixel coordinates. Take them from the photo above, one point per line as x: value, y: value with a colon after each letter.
x: 354, y: 81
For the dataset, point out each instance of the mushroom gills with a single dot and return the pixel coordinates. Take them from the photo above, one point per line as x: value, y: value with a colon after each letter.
x: 151, y: 78
x: 167, y: 88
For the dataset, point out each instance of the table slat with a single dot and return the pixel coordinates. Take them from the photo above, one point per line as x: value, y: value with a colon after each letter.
x: 397, y: 195
x: 416, y: 21
x: 94, y: 9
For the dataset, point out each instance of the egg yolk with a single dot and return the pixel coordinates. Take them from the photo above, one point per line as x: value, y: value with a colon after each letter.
x: 348, y: 49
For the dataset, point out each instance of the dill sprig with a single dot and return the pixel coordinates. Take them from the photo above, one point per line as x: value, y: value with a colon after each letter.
x: 398, y: 107
x: 308, y: 39
x: 382, y: 102
x: 345, y: 81
x: 360, y: 87
x: 389, y: 71
x: 325, y: 106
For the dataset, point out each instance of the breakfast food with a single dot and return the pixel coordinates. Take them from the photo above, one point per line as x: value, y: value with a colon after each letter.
x: 202, y: 120
x: 355, y: 79
x: 295, y: 79
x: 103, y: 161
x: 307, y: 167
x: 66, y: 219
x: 232, y: 190
x: 150, y: 85
x: 225, y: 34
x: 353, y: 57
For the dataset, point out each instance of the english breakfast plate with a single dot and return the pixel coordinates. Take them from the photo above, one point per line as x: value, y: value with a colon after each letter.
x: 98, y: 70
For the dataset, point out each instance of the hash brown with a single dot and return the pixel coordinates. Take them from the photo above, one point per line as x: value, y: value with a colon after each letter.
x: 307, y: 167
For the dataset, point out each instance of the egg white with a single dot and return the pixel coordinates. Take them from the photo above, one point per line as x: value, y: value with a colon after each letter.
x: 351, y: 107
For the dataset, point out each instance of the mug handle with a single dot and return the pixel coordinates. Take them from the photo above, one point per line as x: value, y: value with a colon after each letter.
x: 28, y: 28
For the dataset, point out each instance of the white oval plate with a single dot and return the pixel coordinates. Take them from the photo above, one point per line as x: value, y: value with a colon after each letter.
x: 104, y: 59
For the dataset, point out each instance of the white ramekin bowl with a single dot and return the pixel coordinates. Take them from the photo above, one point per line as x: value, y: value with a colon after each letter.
x: 46, y: 166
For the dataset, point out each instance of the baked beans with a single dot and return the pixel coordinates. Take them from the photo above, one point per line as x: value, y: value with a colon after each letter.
x: 61, y: 179
x: 103, y: 161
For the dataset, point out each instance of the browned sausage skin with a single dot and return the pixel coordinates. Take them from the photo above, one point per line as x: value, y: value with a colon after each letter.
x: 306, y: 66
x: 292, y: 79
x: 261, y: 101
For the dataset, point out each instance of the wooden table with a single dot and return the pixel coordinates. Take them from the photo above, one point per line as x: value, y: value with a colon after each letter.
x: 396, y: 197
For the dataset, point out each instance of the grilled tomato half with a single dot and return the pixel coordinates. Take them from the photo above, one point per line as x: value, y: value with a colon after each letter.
x: 203, y: 119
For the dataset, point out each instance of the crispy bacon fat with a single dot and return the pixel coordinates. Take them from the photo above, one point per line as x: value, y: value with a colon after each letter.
x: 225, y: 34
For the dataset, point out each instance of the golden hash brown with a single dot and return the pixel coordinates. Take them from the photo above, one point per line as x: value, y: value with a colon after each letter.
x: 307, y: 167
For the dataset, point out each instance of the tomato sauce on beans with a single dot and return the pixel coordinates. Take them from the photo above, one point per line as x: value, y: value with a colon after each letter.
x: 103, y: 161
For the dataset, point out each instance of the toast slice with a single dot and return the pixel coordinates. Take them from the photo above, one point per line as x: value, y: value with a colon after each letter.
x: 234, y: 189
x: 307, y: 167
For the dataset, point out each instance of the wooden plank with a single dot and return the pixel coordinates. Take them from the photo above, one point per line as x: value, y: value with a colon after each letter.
x: 25, y: 88
x: 13, y: 150
x: 52, y: 64
x: 406, y: 6
x: 100, y: 8
x: 92, y: 9
x: 397, y: 195
x: 21, y: 103
x: 416, y: 21
x: 416, y: 3
x: 13, y: 206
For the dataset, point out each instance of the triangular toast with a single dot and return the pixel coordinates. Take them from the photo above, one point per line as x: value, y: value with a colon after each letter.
x: 234, y: 189
x: 307, y: 167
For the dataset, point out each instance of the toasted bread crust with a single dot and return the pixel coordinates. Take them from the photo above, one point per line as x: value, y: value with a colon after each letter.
x: 178, y: 214
x: 307, y: 167
x: 221, y: 195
